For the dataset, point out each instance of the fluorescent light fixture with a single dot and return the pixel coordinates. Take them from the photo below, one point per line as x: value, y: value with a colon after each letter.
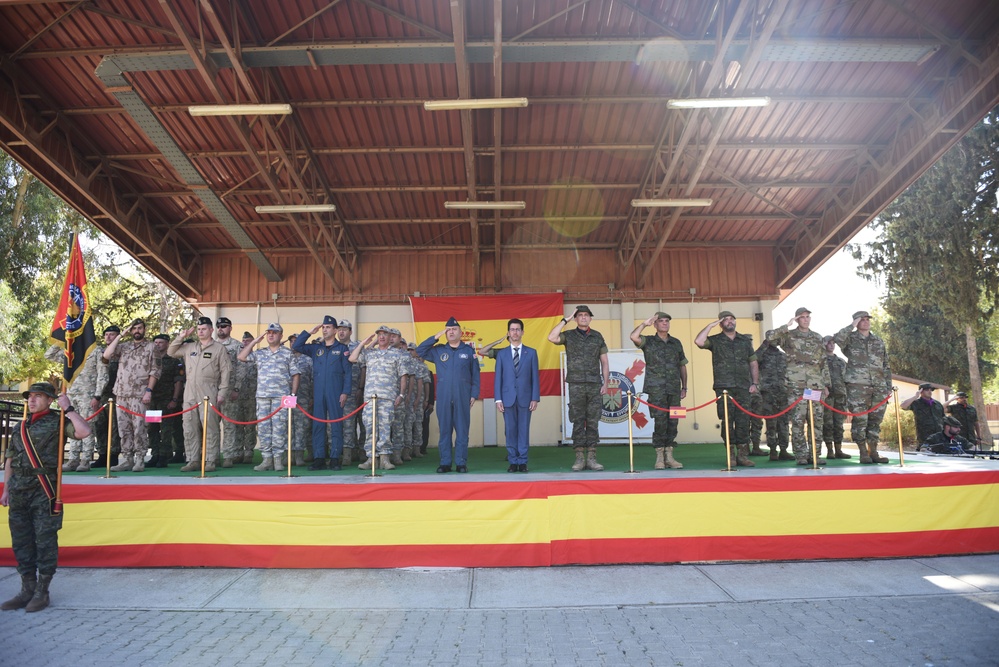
x: 665, y: 203
x: 487, y: 205
x: 240, y: 110
x: 495, y: 103
x: 718, y: 102
x: 296, y: 208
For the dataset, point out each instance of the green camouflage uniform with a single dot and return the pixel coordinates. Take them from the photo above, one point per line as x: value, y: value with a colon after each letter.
x: 663, y: 360
x: 33, y: 529
x: 244, y: 409
x: 774, y: 394
x: 806, y: 369
x: 84, y: 388
x: 582, y: 374
x: 354, y: 399
x: 730, y: 360
x: 229, y: 407
x: 168, y: 436
x: 868, y: 382
x: 301, y: 425
x: 832, y: 422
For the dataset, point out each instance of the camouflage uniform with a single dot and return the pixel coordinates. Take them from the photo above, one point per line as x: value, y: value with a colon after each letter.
x: 244, y: 409
x: 230, y: 408
x: 402, y: 425
x: 663, y: 360
x: 208, y: 372
x: 384, y: 370
x: 274, y: 381
x: 137, y: 363
x: 774, y: 395
x: 730, y: 364
x: 422, y: 379
x: 167, y: 435
x: 84, y: 388
x: 868, y: 381
x: 302, y: 425
x: 354, y: 399
x: 806, y: 369
x: 832, y: 422
x: 756, y: 423
x: 33, y: 529
x: 107, y: 375
x: 583, y: 375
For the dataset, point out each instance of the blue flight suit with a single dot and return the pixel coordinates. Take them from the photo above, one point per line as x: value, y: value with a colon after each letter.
x: 330, y: 377
x: 457, y: 384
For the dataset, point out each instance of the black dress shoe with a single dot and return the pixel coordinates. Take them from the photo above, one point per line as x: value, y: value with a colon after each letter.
x: 461, y: 468
x: 335, y: 464
x: 318, y: 464
x: 154, y: 462
x: 523, y: 467
x: 513, y: 468
x: 443, y: 468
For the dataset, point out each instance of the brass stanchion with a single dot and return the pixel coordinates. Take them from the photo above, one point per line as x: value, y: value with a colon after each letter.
x: 204, y: 436
x: 631, y: 437
x: 811, y: 428
x: 289, y: 454
x: 107, y: 454
x: 898, y: 425
x: 728, y: 440
x: 374, y: 434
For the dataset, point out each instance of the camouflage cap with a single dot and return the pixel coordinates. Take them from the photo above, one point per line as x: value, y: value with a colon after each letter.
x: 345, y: 324
x: 726, y: 313
x: 41, y: 388
x: 663, y: 316
x: 802, y: 311
x: 274, y: 326
x: 384, y: 328
x: 411, y: 346
x: 826, y: 340
x: 860, y: 314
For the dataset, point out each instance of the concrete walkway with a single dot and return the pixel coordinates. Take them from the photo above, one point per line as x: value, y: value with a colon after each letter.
x: 928, y: 611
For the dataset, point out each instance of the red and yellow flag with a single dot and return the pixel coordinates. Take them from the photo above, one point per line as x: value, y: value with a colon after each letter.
x: 483, y: 320
x: 73, y: 327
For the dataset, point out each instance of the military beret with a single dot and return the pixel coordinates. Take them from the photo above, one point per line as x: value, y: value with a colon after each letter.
x: 861, y: 313
x: 952, y: 421
x: 114, y: 328
x: 41, y: 388
x: 161, y: 336
x: 247, y: 334
x: 452, y: 323
x: 961, y: 394
x: 205, y: 320
x: 345, y: 324
x: 663, y: 316
x: 583, y: 309
x: 925, y: 385
x: 223, y: 322
x: 274, y: 326
x: 726, y: 313
x: 802, y: 311
x: 329, y: 319
x: 139, y: 320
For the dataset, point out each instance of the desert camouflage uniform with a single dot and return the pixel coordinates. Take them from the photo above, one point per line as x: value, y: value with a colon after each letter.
x: 868, y: 382
x: 274, y: 373
x: 384, y: 370
x: 806, y: 369
x: 832, y: 422
x: 33, y: 529
x: 136, y: 364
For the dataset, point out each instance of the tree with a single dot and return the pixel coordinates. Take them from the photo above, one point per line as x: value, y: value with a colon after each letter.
x: 939, y: 245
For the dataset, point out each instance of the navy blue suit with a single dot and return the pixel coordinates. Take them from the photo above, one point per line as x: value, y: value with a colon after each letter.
x: 516, y: 389
x: 457, y: 384
x: 330, y: 377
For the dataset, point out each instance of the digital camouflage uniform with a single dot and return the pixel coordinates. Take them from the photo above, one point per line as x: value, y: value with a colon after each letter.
x: 167, y: 436
x: 383, y: 370
x: 244, y: 409
x: 583, y: 375
x: 868, y: 382
x: 756, y: 423
x: 730, y: 361
x: 84, y: 388
x: 136, y: 364
x: 33, y: 528
x: 230, y: 449
x: 832, y: 422
x: 774, y: 396
x: 663, y: 360
x: 302, y: 425
x: 274, y: 380
x: 806, y: 369
x: 207, y: 372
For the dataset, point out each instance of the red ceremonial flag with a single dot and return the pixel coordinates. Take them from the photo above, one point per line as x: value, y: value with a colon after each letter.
x: 73, y: 327
x: 483, y: 320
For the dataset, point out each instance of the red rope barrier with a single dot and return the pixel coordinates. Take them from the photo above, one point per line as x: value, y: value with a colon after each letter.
x: 858, y: 414
x: 775, y: 416
x: 661, y: 409
x: 255, y: 421
x: 99, y: 411
x: 331, y: 421
x: 136, y: 414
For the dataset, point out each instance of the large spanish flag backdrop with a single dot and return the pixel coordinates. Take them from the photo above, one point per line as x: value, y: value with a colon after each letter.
x: 483, y: 320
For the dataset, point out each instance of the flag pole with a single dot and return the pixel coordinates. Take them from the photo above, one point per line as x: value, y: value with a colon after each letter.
x: 57, y: 507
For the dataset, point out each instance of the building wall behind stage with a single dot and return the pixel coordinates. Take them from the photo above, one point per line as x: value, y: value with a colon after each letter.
x: 614, y: 321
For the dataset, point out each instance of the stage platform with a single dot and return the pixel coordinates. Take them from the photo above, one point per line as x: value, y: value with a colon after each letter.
x: 550, y: 516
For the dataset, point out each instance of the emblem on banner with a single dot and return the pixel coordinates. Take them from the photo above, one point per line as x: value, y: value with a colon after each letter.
x: 615, y: 401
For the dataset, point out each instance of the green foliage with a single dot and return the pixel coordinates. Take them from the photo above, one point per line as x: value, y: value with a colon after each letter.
x: 889, y: 429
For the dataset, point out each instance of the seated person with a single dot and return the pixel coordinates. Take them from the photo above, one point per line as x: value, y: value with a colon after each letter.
x: 949, y: 440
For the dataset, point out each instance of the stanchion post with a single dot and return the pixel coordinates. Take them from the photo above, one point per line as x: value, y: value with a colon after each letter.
x: 631, y: 437
x: 107, y: 454
x: 204, y: 435
x: 728, y: 440
x: 289, y: 453
x: 811, y: 430
x: 898, y: 426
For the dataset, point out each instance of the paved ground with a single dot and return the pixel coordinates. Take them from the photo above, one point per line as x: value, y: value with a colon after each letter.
x: 931, y: 611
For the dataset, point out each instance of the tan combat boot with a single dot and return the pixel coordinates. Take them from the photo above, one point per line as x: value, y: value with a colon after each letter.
x: 865, y: 457
x: 840, y: 454
x: 591, y: 460
x: 580, y: 459
x: 227, y: 462
x: 385, y: 462
x: 670, y: 461
x: 125, y: 463
x: 660, y: 461
x: 299, y: 457
x: 872, y: 448
x: 70, y: 464
x: 417, y: 454
x: 266, y: 464
x: 742, y: 457
x: 191, y: 466
x: 21, y: 600
x: 407, y: 453
x: 280, y: 462
x: 396, y: 458
x: 40, y: 600
x: 84, y: 465
x: 140, y: 463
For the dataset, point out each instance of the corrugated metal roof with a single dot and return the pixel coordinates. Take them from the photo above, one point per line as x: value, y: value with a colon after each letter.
x: 864, y: 97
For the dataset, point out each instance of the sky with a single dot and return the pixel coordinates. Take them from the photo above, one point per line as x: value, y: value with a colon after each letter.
x: 833, y: 293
